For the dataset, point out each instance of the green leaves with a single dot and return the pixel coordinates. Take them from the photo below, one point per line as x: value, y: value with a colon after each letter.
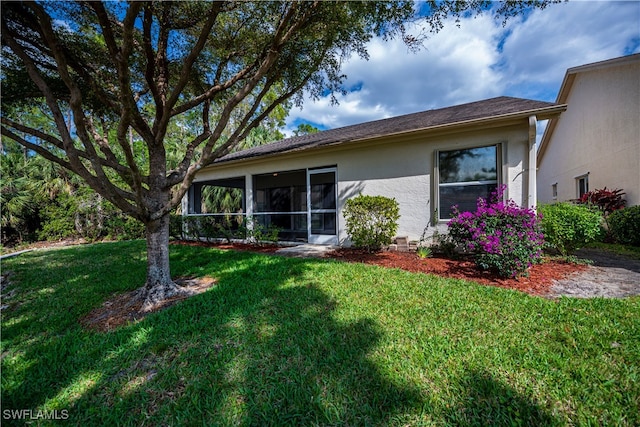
x: 625, y: 225
x: 371, y: 221
x: 568, y: 227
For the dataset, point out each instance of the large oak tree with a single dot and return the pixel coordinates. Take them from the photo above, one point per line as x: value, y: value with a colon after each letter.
x: 112, y: 78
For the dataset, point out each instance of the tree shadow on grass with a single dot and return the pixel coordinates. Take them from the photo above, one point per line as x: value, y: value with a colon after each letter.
x: 278, y: 355
x: 488, y: 401
x: 314, y: 370
x: 264, y: 347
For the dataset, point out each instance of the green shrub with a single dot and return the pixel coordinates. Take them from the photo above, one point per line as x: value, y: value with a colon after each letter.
x: 119, y: 226
x: 371, y: 221
x: 624, y: 225
x: 84, y: 214
x: 176, y: 230
x: 256, y: 232
x: 195, y: 227
x: 567, y: 226
x: 58, y: 219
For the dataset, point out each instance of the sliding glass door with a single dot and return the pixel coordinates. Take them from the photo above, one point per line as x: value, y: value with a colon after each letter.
x: 322, y: 201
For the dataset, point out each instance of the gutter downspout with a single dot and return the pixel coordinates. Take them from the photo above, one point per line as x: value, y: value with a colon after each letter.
x: 532, y: 166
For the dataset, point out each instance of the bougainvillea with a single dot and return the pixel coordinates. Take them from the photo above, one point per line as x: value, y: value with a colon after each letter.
x: 503, y: 236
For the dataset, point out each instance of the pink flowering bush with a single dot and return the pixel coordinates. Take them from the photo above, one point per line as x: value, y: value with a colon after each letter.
x: 503, y: 236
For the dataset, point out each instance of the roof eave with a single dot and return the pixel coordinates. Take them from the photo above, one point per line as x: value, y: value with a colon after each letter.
x: 540, y: 113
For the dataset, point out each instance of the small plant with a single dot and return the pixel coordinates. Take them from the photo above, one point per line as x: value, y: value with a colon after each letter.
x: 568, y: 227
x: 624, y: 225
x: 257, y: 233
x: 176, y: 228
x: 191, y: 227
x: 443, y: 244
x: 124, y: 227
x: 503, y: 236
x: 371, y: 221
x: 424, y: 252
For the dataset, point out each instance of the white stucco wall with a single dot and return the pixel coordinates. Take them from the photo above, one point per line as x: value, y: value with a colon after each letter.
x: 598, y: 135
x: 401, y: 168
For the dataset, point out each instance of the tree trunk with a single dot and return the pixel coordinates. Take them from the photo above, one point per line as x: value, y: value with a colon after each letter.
x: 159, y: 286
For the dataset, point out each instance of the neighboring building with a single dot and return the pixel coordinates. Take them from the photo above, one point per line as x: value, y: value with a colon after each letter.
x: 596, y: 142
x: 427, y: 161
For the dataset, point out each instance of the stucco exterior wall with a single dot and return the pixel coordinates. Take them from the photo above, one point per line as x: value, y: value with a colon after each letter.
x: 598, y: 135
x: 401, y: 168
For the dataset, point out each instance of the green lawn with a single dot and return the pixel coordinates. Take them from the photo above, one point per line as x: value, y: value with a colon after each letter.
x: 624, y: 250
x: 283, y: 341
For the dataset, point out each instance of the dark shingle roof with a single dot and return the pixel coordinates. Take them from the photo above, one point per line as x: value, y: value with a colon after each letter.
x: 494, y: 108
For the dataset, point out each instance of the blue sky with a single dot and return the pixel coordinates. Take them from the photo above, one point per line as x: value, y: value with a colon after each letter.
x: 480, y: 59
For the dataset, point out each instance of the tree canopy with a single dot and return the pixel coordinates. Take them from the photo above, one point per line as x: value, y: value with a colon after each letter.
x: 105, y: 70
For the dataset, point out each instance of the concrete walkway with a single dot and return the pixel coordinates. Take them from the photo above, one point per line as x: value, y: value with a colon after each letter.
x: 306, y: 251
x: 610, y: 276
x: 12, y: 254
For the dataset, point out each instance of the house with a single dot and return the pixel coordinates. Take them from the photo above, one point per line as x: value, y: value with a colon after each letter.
x: 427, y: 161
x: 596, y: 142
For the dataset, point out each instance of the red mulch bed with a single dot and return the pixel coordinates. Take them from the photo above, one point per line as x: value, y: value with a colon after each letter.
x: 538, y: 282
x: 127, y: 308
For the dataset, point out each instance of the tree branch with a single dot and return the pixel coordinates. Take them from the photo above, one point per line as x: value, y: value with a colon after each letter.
x: 205, y: 33
x: 175, y: 176
x: 127, y: 149
x: 120, y: 56
x: 50, y: 99
x: 35, y: 147
x: 149, y: 73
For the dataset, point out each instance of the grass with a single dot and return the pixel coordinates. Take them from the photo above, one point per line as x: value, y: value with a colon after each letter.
x: 283, y: 341
x: 618, y: 249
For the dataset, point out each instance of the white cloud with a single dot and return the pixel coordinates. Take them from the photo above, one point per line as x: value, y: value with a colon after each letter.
x: 478, y: 60
x: 539, y: 50
x: 447, y: 70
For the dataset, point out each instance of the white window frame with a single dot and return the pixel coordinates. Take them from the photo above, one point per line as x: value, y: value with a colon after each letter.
x: 579, y: 178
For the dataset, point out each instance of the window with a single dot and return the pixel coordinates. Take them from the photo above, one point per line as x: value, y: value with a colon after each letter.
x: 582, y: 185
x: 554, y: 190
x: 464, y: 176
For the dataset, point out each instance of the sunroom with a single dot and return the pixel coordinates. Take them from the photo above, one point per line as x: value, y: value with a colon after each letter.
x: 300, y: 205
x: 428, y: 162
